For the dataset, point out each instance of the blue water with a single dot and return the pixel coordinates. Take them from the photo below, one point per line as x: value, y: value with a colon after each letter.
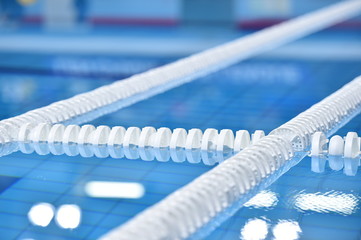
x: 256, y: 94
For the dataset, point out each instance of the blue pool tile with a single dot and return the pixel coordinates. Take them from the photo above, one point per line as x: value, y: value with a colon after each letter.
x: 14, y: 207
x: 30, y: 234
x: 168, y: 177
x: 333, y: 221
x: 54, y: 176
x: 13, y: 221
x: 87, y: 203
x: 65, y: 167
x: 128, y: 209
x: 121, y: 173
x: 13, y: 171
x: 8, y: 233
x: 6, y: 182
x: 42, y: 185
x: 78, y: 233
x: 315, y: 233
x: 112, y: 221
x: 97, y: 232
x: 129, y: 164
x: 28, y: 195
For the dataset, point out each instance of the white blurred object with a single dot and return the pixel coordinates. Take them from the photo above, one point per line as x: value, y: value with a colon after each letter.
x: 68, y: 216
x: 328, y: 202
x: 114, y: 189
x: 287, y: 230
x: 264, y: 199
x: 41, y: 214
x: 255, y: 229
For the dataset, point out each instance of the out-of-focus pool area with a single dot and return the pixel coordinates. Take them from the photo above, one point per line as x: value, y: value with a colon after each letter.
x: 51, y: 197
x: 256, y: 94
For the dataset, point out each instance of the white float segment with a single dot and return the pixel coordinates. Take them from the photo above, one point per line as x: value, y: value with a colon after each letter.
x: 116, y: 136
x: 242, y: 140
x: 177, y: 145
x: 70, y: 139
x: 100, y: 140
x: 40, y: 133
x: 336, y: 146
x: 84, y: 140
x: 55, y: 139
x: 257, y: 135
x: 161, y: 143
x: 225, y: 144
x: 39, y: 137
x: 86, y: 134
x: 24, y: 138
x: 146, y: 142
x: 130, y: 143
x: 319, y: 144
x: 318, y: 152
x: 100, y: 135
x: 209, y: 140
x: 225, y: 140
x: 71, y: 134
x: 56, y: 134
x: 115, y: 142
x: 193, y: 145
x: 146, y: 137
x: 352, y: 147
x: 209, y: 146
x: 335, y: 153
x: 351, y: 154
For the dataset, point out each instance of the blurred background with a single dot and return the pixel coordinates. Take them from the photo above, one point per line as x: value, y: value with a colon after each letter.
x: 243, y: 14
x: 108, y: 40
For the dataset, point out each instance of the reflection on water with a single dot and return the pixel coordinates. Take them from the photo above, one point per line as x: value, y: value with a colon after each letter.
x: 286, y: 230
x: 102, y: 189
x: 333, y: 201
x: 41, y: 214
x: 258, y: 229
x: 254, y: 229
x: 306, y: 205
x: 349, y: 165
x: 132, y: 151
x: 264, y: 199
x: 68, y: 216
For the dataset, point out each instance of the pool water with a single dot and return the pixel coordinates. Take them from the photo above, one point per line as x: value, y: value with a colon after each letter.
x: 257, y: 94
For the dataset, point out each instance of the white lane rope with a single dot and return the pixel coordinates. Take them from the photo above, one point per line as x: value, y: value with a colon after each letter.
x: 194, y: 146
x: 148, y: 143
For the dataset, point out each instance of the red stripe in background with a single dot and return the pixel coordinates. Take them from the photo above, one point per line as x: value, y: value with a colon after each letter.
x: 257, y: 24
x: 133, y: 21
x: 32, y: 19
x: 116, y: 21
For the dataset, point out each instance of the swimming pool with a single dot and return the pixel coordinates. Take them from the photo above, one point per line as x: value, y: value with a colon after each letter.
x: 261, y: 93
